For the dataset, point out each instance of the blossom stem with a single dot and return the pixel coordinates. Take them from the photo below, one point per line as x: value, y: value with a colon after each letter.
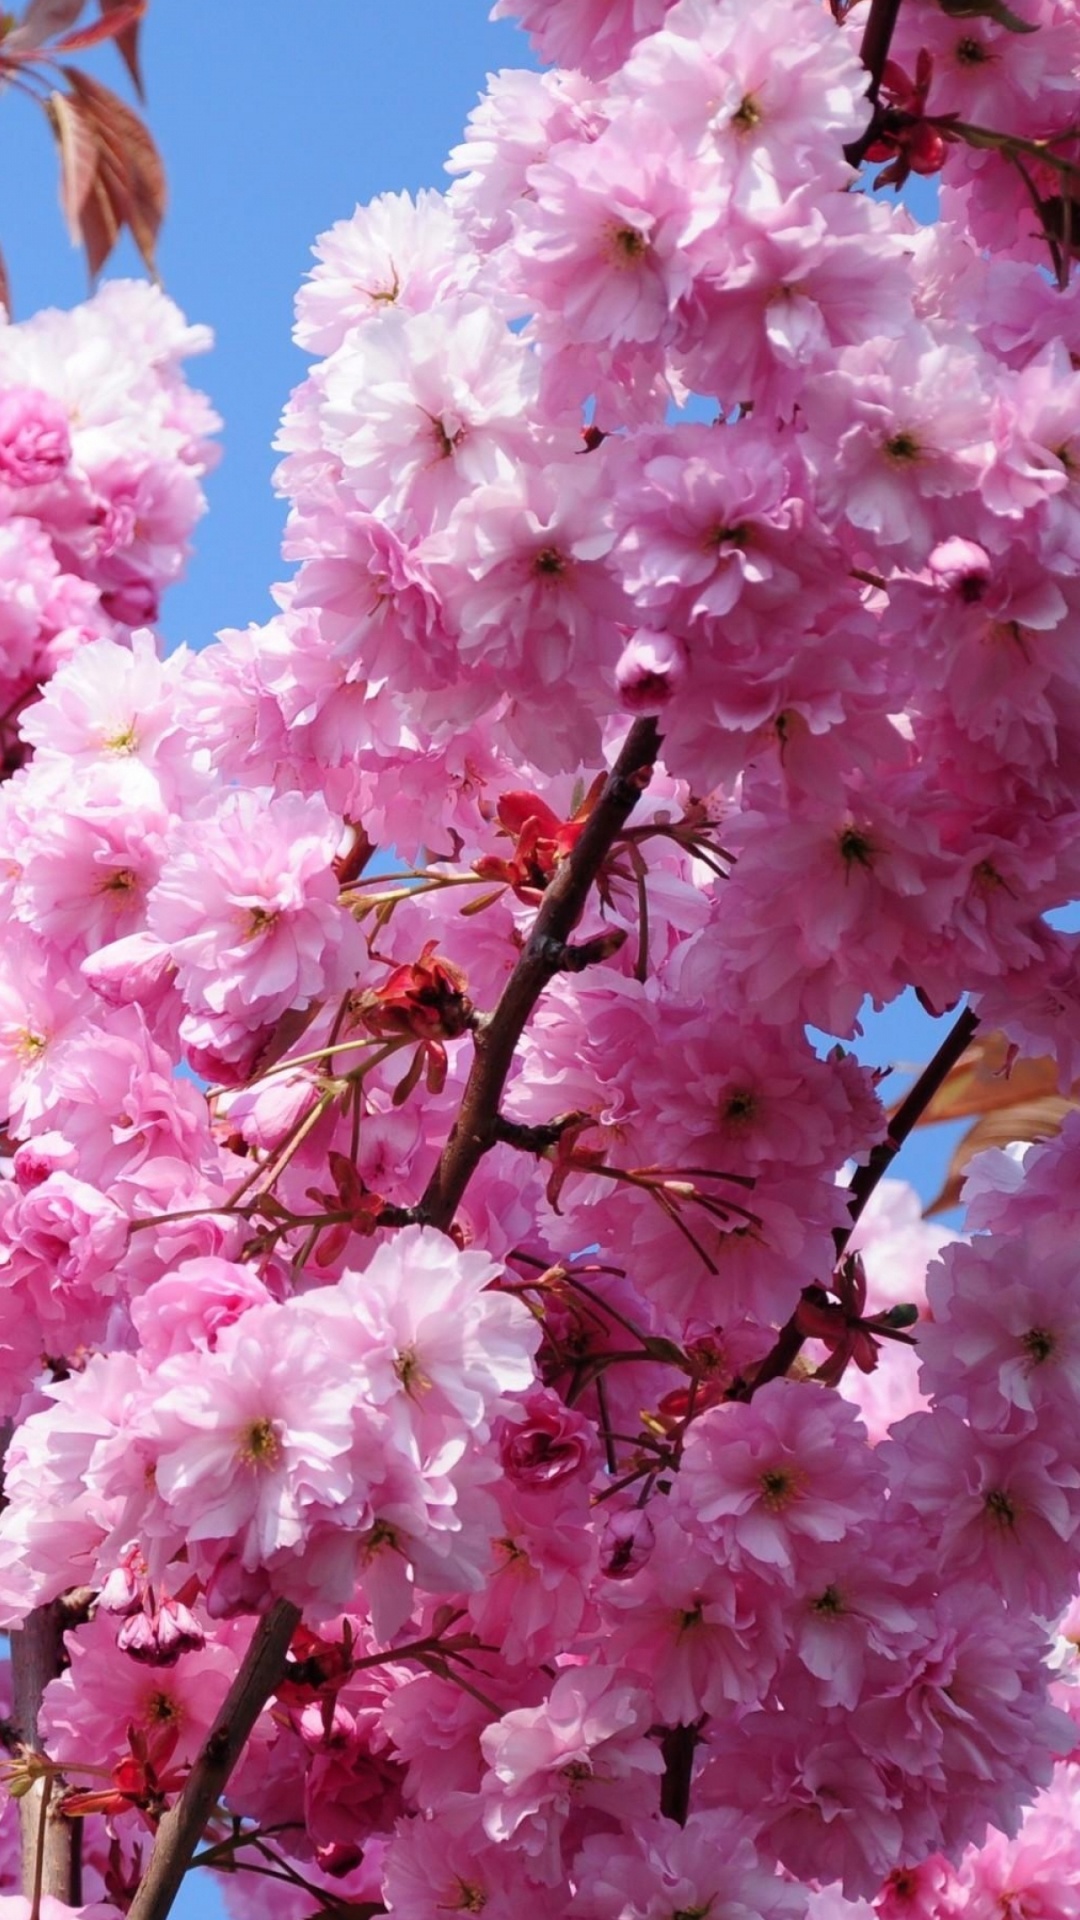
x: 476, y: 1128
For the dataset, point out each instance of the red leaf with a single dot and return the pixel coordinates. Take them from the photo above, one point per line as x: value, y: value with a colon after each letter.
x: 108, y: 28
x: 77, y: 141
x: 41, y: 20
x: 127, y: 38
x: 130, y: 172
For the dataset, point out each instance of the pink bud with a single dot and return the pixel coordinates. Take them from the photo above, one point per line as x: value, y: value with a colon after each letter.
x: 178, y: 1631
x: 962, y: 566
x: 652, y: 668
x: 136, y: 969
x: 552, y: 1444
x: 36, y: 1159
x: 138, y: 1638
x: 626, y: 1544
x: 121, y: 1593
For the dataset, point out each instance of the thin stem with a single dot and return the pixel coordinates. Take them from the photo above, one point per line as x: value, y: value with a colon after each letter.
x: 906, y: 1118
x: 790, y: 1341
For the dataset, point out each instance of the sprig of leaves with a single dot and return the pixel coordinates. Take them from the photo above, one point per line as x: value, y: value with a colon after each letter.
x: 111, y: 175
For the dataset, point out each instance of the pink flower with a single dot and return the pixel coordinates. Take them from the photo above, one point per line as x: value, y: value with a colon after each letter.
x: 438, y: 1348
x: 601, y: 242
x: 551, y: 1443
x: 1004, y: 1343
x: 445, y: 1863
x: 247, y: 906
x: 418, y: 408
x: 35, y: 445
x: 701, y: 1638
x: 710, y: 1865
x: 584, y: 1747
x: 1002, y: 1508
x: 252, y: 1442
x: 772, y: 1480
x: 595, y: 35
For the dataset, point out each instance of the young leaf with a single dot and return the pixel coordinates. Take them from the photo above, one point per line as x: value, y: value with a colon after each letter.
x: 109, y: 27
x: 77, y: 142
x: 126, y: 35
x: 129, y: 171
x: 981, y: 1082
x: 1037, y: 1119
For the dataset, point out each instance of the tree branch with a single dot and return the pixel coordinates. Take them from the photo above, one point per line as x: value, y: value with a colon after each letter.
x: 907, y: 1116
x: 476, y: 1128
x: 790, y: 1340
x: 182, y: 1827
x: 37, y: 1656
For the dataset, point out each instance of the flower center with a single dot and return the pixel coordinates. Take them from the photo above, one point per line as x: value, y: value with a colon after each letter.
x: 855, y: 849
x: 779, y: 1487
x: 29, y: 1046
x: 735, y: 536
x: 1001, y: 1509
x: 550, y: 562
x: 162, y: 1710
x: 260, y: 1446
x: 747, y: 114
x: 739, y: 1108
x: 470, y: 1899
x: 259, y: 921
x: 449, y: 435
x: 902, y: 446
x: 1038, y: 1344
x: 628, y: 245
x: 124, y: 741
x: 829, y: 1602
x: 407, y: 1368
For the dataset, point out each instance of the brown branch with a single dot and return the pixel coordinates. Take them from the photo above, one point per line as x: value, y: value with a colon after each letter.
x: 790, y: 1341
x: 545, y: 953
x: 678, y: 1746
x: 37, y: 1656
x: 538, y: 1140
x: 907, y: 1117
x: 182, y: 1827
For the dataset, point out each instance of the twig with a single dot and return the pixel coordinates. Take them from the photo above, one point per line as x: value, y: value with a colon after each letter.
x: 678, y: 1746
x: 790, y: 1341
x: 906, y: 1118
x: 475, y: 1129
x: 182, y: 1827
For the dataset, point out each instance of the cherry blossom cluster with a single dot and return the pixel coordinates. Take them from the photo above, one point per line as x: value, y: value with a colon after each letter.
x: 654, y: 1536
x: 102, y: 451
